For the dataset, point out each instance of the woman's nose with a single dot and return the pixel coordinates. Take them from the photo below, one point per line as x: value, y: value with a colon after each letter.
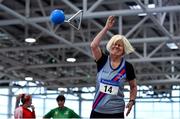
x: 116, y: 45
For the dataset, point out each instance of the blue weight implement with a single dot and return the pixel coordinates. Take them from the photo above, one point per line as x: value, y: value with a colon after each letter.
x: 57, y: 16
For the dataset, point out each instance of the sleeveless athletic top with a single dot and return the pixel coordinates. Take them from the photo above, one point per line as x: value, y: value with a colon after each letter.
x: 109, y: 97
x: 24, y: 113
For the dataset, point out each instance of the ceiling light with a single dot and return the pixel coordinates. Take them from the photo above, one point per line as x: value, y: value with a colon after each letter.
x: 28, y: 78
x: 30, y: 40
x: 70, y: 59
x: 62, y: 89
x: 172, y: 46
x: 136, y: 7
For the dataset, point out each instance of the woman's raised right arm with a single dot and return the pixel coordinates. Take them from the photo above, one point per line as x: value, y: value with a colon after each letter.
x: 95, y: 44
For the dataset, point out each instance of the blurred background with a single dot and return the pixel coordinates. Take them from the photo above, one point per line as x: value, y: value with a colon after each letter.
x: 45, y: 60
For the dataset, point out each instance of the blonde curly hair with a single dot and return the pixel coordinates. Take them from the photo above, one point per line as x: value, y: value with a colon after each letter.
x: 127, y: 46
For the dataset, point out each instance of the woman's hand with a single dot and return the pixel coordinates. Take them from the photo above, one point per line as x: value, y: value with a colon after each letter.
x: 110, y: 22
x: 129, y: 107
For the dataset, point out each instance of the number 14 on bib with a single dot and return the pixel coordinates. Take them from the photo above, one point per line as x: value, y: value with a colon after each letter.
x: 109, y: 89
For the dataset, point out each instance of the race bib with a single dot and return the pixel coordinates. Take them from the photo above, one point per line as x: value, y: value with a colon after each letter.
x: 109, y: 87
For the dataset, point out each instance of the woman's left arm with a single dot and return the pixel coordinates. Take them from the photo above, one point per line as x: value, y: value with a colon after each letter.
x: 133, y: 89
x: 133, y: 93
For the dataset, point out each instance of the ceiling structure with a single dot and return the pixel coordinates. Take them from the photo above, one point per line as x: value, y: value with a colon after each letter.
x: 149, y: 29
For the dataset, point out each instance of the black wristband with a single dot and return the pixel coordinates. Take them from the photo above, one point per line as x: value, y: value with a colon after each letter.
x: 132, y: 101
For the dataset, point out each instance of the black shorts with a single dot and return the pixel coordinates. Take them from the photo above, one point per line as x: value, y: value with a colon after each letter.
x: 102, y: 115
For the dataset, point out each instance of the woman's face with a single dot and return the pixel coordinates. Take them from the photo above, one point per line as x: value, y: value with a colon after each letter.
x: 117, y: 48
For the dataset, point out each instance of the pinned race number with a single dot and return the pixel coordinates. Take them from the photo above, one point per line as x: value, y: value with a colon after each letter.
x: 109, y: 88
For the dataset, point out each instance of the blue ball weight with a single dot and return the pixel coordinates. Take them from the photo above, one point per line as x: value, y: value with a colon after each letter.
x: 57, y: 16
